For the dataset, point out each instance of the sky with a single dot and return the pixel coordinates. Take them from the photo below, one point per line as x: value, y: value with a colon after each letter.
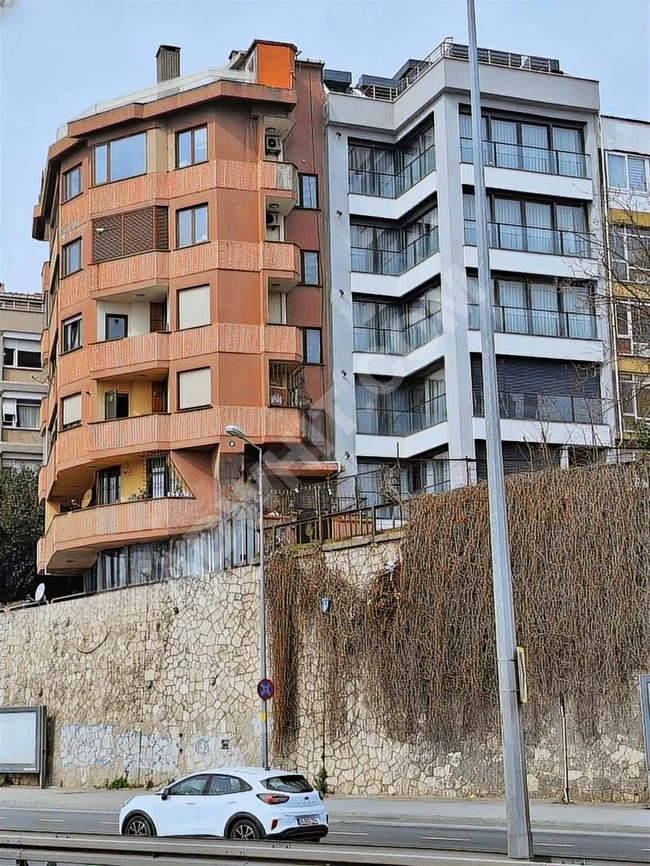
x: 57, y: 57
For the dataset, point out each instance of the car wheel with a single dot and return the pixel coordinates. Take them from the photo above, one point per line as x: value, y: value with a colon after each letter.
x: 245, y: 830
x: 139, y: 825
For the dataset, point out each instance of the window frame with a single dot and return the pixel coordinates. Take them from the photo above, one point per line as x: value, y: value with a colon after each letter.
x: 303, y: 176
x: 66, y: 323
x: 72, y: 424
x: 638, y: 381
x: 303, y: 254
x: 64, y: 257
x: 170, y: 792
x: 124, y: 318
x: 179, y: 292
x: 64, y: 183
x: 22, y: 401
x: 199, y: 406
x: 192, y: 209
x: 627, y: 157
x: 108, y: 145
x: 118, y: 394
x: 305, y: 344
x: 191, y: 131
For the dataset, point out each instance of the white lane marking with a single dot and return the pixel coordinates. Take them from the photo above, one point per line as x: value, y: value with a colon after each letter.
x: 555, y: 844
x: 345, y: 833
x: 52, y: 820
x: 446, y: 839
x: 110, y: 823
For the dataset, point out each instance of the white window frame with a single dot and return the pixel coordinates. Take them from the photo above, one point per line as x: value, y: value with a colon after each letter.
x: 638, y: 381
x: 66, y: 324
x: 66, y: 406
x: 199, y: 378
x: 283, y: 307
x: 197, y: 302
x: 628, y: 188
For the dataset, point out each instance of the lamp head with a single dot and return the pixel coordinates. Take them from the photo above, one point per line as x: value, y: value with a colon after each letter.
x: 234, y: 430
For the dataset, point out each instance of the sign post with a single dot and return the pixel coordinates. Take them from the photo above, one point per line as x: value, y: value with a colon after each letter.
x: 644, y: 684
x: 265, y: 689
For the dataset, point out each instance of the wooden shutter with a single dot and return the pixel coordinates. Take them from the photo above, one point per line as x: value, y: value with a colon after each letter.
x: 107, y: 238
x: 137, y: 230
x: 129, y: 234
x: 162, y: 228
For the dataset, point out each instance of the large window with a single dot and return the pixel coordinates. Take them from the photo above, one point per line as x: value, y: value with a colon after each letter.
x: 378, y: 249
x: 310, y: 268
x: 71, y: 183
x: 71, y: 258
x: 21, y: 352
x: 625, y: 171
x: 119, y: 159
x: 108, y: 485
x: 388, y: 171
x: 308, y: 191
x: 630, y: 249
x: 397, y: 328
x: 192, y: 226
x: 193, y: 307
x: 194, y: 389
x: 633, y: 327
x: 70, y: 411
x: 383, y: 410
x: 635, y: 399
x: 191, y: 146
x: 21, y: 413
x: 528, y: 145
x: 72, y: 334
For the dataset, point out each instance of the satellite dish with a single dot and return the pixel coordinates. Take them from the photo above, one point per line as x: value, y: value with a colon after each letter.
x: 39, y: 595
x: 88, y: 495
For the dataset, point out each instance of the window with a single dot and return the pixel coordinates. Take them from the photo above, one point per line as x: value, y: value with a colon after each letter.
x: 71, y: 258
x: 192, y: 787
x: 625, y: 171
x: 70, y: 411
x: 157, y: 317
x: 19, y: 352
x: 310, y: 270
x: 24, y: 414
x: 71, y: 183
x: 192, y: 226
x: 312, y: 350
x: 277, y: 307
x: 191, y: 146
x: 288, y: 784
x: 630, y: 249
x: 128, y: 234
x: 633, y: 327
x: 116, y: 405
x: 72, y: 334
x: 117, y: 160
x: 286, y: 384
x: 194, y: 389
x: 108, y: 485
x: 635, y: 399
x: 227, y: 785
x: 117, y: 327
x: 308, y: 191
x: 374, y: 169
x: 193, y: 307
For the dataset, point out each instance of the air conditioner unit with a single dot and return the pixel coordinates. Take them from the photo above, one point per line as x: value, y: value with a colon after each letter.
x: 272, y: 145
x: 272, y: 220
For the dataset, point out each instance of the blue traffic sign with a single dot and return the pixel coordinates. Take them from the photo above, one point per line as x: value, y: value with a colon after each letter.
x: 265, y: 689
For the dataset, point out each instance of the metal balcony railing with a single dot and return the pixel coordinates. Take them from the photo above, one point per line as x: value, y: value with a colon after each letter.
x: 390, y: 184
x: 539, y: 323
x: 527, y: 158
x: 399, y: 422
x: 545, y: 407
x: 530, y: 239
x: 397, y: 341
x: 395, y: 262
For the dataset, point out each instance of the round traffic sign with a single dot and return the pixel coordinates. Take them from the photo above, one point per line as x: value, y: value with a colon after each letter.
x: 265, y: 689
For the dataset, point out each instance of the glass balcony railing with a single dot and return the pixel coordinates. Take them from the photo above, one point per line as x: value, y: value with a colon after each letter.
x: 526, y: 158
x: 397, y: 341
x: 390, y: 184
x: 538, y: 323
x: 545, y: 407
x: 530, y: 239
x: 395, y: 262
x: 401, y: 422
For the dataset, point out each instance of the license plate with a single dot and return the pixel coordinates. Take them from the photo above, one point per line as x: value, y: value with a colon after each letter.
x: 307, y: 820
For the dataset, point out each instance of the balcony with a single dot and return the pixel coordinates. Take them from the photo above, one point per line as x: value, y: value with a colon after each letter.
x: 395, y: 262
x: 390, y: 184
x: 529, y: 239
x: 397, y: 341
x: 72, y: 537
x: 280, y: 176
x: 282, y: 257
x: 545, y: 407
x: 146, y: 350
x: 526, y: 158
x: 538, y: 323
x: 400, y: 422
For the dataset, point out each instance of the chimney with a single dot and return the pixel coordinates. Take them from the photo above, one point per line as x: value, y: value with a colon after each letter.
x: 168, y: 63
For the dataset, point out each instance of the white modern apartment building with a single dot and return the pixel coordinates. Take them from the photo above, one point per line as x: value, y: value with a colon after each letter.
x: 406, y: 359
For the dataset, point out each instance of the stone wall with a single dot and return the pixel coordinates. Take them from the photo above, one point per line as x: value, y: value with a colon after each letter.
x: 155, y: 681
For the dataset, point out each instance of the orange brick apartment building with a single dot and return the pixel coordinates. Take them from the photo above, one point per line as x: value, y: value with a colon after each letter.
x: 184, y: 293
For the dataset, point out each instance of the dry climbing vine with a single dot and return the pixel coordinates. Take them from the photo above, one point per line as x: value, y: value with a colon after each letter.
x: 412, y: 648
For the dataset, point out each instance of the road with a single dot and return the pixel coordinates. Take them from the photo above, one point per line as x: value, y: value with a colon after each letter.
x: 624, y: 847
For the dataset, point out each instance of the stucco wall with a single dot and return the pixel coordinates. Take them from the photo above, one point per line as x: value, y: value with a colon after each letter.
x: 159, y: 680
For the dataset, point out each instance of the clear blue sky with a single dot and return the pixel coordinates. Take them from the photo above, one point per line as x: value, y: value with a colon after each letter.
x: 59, y: 56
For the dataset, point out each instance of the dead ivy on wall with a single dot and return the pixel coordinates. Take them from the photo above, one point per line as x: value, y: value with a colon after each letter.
x: 415, y: 643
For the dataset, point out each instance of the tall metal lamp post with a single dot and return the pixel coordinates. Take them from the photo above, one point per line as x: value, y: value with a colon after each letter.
x: 520, y: 842
x: 233, y: 430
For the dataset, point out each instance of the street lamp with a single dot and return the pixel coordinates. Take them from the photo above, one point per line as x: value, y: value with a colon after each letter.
x: 233, y: 430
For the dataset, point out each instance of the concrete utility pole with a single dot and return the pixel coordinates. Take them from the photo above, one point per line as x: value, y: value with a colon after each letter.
x: 520, y: 840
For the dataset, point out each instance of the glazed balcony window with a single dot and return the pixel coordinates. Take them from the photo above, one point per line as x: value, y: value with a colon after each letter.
x: 119, y: 159
x: 71, y: 183
x: 375, y: 169
x: 383, y: 410
x: 392, y: 251
x: 192, y: 226
x: 397, y: 328
x: 191, y: 146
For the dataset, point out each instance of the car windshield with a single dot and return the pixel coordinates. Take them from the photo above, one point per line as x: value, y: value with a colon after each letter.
x: 288, y: 784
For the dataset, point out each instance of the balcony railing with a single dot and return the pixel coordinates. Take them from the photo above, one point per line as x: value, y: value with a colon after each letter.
x: 395, y: 262
x: 397, y: 341
x: 526, y: 158
x: 391, y: 184
x: 530, y: 239
x: 545, y: 407
x: 400, y: 422
x: 538, y: 323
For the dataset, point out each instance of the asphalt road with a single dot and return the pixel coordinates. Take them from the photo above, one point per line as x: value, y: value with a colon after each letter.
x: 594, y: 845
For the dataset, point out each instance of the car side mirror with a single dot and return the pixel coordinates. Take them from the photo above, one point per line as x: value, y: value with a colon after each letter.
x: 164, y: 794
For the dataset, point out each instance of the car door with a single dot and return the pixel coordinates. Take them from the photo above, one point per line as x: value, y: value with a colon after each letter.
x: 178, y: 812
x: 224, y: 797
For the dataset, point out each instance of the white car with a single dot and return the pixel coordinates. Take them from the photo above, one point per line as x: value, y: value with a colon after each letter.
x: 243, y: 803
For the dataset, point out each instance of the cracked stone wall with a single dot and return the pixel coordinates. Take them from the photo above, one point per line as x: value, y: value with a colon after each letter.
x: 155, y: 681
